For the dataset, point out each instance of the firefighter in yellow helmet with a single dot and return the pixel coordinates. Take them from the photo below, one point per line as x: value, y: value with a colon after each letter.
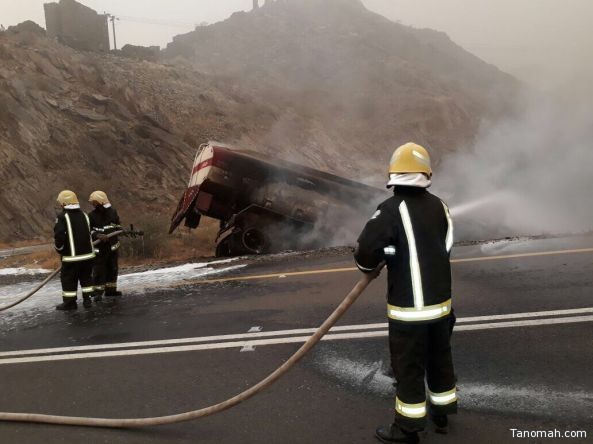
x: 412, y: 233
x: 72, y: 237
x: 104, y: 220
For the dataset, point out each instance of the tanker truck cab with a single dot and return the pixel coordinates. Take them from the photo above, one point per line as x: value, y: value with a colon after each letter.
x: 265, y: 204
x: 202, y: 165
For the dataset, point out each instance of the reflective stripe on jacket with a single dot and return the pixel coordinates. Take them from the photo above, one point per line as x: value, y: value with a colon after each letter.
x: 72, y: 236
x: 413, y: 232
x: 105, y: 221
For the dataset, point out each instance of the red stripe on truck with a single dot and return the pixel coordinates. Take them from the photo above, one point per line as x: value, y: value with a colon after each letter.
x: 202, y: 165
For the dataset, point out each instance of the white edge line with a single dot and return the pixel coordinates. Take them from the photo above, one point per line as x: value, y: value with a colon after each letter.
x: 43, y: 351
x: 285, y: 340
x: 526, y: 323
x: 537, y: 314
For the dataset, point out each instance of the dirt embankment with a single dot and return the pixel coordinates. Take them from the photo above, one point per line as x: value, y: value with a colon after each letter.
x: 351, y: 85
x: 323, y: 83
x: 87, y: 121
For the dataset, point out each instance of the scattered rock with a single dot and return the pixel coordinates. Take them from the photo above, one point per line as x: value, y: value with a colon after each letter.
x: 44, y: 66
x: 150, y: 53
x: 29, y: 27
x: 89, y: 114
x: 98, y: 98
x: 5, y: 74
x: 324, y: 83
x: 52, y: 102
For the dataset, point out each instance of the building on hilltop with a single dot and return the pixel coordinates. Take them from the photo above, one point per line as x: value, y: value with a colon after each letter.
x: 77, y: 26
x: 256, y: 3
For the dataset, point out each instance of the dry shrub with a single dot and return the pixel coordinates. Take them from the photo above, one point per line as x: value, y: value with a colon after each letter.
x: 157, y: 245
x: 23, y: 243
x: 45, y: 259
x: 40, y: 259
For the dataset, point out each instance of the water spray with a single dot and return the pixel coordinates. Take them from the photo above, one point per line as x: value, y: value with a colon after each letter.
x: 478, y: 203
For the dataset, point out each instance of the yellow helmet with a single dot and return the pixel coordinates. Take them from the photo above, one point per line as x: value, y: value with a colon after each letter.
x: 410, y: 158
x: 100, y: 197
x: 67, y: 197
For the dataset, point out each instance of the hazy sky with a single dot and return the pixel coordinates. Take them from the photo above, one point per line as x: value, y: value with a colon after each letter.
x: 545, y: 42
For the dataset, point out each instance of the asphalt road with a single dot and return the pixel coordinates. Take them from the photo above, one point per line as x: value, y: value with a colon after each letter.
x: 523, y: 353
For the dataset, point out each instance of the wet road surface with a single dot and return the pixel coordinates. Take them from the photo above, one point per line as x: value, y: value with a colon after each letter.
x: 522, y: 349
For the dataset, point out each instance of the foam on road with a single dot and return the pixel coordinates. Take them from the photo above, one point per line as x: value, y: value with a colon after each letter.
x: 23, y: 271
x: 132, y: 283
x: 539, y: 400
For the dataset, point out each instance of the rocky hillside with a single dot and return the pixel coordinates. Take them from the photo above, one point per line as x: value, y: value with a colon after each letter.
x: 350, y: 81
x: 321, y: 82
x: 85, y: 121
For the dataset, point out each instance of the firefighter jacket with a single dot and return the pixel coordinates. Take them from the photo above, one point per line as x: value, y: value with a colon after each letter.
x: 105, y: 220
x: 72, y: 235
x: 413, y: 232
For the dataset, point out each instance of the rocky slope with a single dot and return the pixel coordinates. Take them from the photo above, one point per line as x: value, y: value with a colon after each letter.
x: 351, y: 83
x: 321, y: 82
x: 85, y: 121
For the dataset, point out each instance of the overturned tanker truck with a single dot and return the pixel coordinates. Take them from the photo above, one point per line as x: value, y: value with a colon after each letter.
x: 268, y: 205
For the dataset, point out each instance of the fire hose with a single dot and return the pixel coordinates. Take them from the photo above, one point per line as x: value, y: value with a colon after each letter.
x: 55, y: 272
x: 32, y: 292
x: 358, y: 289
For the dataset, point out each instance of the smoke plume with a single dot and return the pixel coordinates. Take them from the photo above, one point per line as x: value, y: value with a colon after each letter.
x: 530, y: 174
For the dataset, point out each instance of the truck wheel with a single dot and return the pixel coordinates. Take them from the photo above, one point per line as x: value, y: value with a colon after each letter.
x: 254, y: 241
x: 223, y: 249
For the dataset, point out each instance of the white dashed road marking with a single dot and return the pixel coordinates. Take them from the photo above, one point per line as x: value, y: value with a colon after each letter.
x: 248, y: 341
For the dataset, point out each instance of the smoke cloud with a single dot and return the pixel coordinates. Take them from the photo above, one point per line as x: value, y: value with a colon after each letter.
x: 530, y: 174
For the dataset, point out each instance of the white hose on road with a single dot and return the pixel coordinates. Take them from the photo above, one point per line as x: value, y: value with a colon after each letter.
x: 49, y: 278
x: 32, y: 292
x: 358, y: 289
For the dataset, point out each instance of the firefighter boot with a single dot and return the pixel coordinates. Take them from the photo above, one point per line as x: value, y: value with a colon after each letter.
x: 98, y: 295
x: 86, y: 301
x: 112, y: 292
x: 441, y: 424
x: 68, y: 304
x: 393, y: 433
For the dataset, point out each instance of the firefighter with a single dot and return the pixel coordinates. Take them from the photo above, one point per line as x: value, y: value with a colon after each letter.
x: 412, y: 232
x: 104, y: 220
x: 72, y: 235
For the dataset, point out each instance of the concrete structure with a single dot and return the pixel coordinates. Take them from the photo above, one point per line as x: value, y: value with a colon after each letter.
x: 76, y: 25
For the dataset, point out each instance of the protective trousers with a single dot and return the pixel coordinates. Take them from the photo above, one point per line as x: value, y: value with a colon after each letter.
x: 105, y: 271
x: 74, y: 273
x: 417, y: 352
